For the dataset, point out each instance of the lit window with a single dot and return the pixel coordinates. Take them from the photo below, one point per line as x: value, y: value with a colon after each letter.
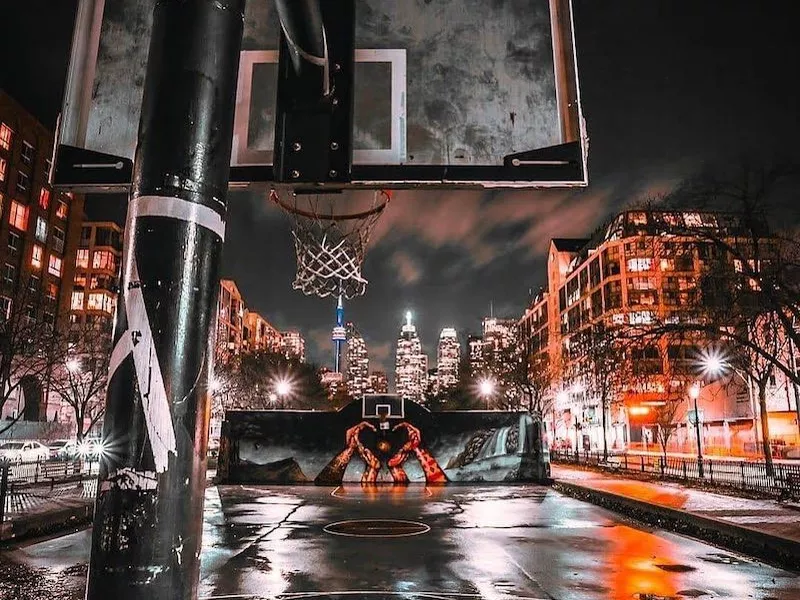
x: 59, y: 236
x: 18, y: 215
x: 27, y: 153
x: 667, y: 264
x: 41, y: 229
x: 52, y: 291
x: 83, y: 258
x: 54, y: 267
x: 103, y: 259
x: 77, y: 301
x: 62, y: 210
x: 98, y: 301
x: 44, y: 198
x: 22, y: 182
x: 80, y: 280
x: 6, y: 134
x: 14, y: 242
x: 37, y: 256
x: 642, y: 317
x: 3, y: 169
x: 640, y: 264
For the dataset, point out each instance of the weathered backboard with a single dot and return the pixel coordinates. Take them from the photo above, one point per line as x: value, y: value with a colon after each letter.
x: 446, y: 93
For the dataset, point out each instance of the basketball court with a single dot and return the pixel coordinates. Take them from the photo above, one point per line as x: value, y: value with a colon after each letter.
x: 324, y: 108
x: 519, y: 542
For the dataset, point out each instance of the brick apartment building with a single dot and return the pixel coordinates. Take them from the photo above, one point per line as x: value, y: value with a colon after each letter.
x: 97, y: 275
x: 632, y: 274
x: 39, y: 233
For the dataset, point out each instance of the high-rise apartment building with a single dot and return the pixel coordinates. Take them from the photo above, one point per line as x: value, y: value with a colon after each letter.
x: 260, y: 335
x: 411, y: 365
x: 230, y: 321
x: 632, y: 274
x: 447, y: 360
x: 293, y: 345
x: 97, y: 275
x: 357, y: 374
x: 39, y: 229
x: 378, y: 383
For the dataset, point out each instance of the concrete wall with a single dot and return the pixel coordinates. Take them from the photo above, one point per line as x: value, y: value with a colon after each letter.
x: 328, y: 448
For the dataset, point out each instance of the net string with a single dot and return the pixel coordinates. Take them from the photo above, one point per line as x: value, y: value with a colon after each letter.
x: 330, y: 249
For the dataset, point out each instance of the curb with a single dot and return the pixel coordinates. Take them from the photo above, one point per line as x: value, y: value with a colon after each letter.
x: 45, y: 523
x: 771, y: 549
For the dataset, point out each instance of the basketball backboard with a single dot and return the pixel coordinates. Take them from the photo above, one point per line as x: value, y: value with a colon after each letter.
x: 446, y: 93
x: 386, y: 406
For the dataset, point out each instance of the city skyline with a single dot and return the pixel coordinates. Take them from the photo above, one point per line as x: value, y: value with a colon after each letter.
x: 447, y: 255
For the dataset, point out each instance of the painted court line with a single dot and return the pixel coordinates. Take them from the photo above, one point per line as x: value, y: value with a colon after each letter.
x: 298, y: 595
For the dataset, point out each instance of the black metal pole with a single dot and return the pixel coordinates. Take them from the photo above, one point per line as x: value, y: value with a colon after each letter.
x: 699, y: 443
x: 148, y: 518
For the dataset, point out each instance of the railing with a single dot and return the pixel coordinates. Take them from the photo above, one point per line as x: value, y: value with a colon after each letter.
x: 754, y: 476
x: 26, y: 486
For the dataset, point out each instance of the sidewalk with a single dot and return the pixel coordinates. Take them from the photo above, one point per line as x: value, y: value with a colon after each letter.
x: 43, y: 510
x: 765, y: 528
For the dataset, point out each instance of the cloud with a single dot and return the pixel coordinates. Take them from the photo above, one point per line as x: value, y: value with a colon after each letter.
x: 381, y: 357
x: 408, y: 269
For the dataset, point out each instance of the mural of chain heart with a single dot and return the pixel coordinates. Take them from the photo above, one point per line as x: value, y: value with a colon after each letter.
x: 381, y: 439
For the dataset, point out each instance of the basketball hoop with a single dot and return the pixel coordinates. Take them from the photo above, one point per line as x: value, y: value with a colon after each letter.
x: 330, y: 232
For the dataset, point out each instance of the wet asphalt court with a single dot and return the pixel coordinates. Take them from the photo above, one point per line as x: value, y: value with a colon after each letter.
x: 454, y: 543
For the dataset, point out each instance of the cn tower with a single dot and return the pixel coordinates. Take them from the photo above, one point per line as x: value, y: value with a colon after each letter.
x: 339, y: 336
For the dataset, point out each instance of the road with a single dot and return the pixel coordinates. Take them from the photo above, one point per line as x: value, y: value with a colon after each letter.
x: 524, y: 542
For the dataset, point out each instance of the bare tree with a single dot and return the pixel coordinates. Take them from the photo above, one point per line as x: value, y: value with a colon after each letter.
x: 30, y: 346
x: 765, y: 332
x: 80, y: 381
x: 602, y: 368
x: 529, y: 381
x: 751, y: 257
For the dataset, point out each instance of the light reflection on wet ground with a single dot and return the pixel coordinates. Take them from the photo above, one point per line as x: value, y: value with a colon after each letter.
x: 494, y: 543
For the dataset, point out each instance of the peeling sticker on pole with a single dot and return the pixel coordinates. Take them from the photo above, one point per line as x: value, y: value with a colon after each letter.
x: 137, y: 340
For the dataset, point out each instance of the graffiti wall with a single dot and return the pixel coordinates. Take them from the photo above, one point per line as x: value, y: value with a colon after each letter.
x: 381, y: 439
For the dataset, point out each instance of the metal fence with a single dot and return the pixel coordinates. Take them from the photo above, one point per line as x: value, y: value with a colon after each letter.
x: 782, y: 482
x: 29, y: 486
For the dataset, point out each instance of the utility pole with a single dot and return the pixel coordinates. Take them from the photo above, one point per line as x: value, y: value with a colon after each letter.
x: 148, y: 518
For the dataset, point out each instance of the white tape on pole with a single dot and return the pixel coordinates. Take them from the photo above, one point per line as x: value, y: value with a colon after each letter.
x: 138, y: 338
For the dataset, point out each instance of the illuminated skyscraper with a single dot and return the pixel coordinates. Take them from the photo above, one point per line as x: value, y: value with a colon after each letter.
x: 411, y: 365
x: 378, y: 383
x: 499, y: 344
x: 447, y: 360
x: 357, y: 375
x: 475, y: 349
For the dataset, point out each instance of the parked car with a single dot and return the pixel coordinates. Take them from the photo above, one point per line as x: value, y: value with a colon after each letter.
x: 63, y: 449
x: 18, y: 451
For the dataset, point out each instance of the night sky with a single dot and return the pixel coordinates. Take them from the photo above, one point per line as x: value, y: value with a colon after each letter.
x: 666, y: 86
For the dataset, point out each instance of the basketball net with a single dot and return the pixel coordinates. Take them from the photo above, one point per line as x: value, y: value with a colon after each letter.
x: 329, y: 245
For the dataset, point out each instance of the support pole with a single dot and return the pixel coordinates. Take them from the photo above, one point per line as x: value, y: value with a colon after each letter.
x: 148, y: 517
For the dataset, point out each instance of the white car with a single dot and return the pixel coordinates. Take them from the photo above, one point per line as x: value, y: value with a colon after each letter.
x: 18, y: 451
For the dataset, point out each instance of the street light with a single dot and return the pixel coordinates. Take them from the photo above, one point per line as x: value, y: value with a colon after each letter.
x: 73, y: 365
x: 487, y: 390
x: 694, y: 393
x: 283, y: 388
x: 715, y: 365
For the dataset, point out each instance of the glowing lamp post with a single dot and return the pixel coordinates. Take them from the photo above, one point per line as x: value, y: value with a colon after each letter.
x: 283, y: 388
x: 73, y: 365
x: 694, y: 393
x: 487, y: 390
